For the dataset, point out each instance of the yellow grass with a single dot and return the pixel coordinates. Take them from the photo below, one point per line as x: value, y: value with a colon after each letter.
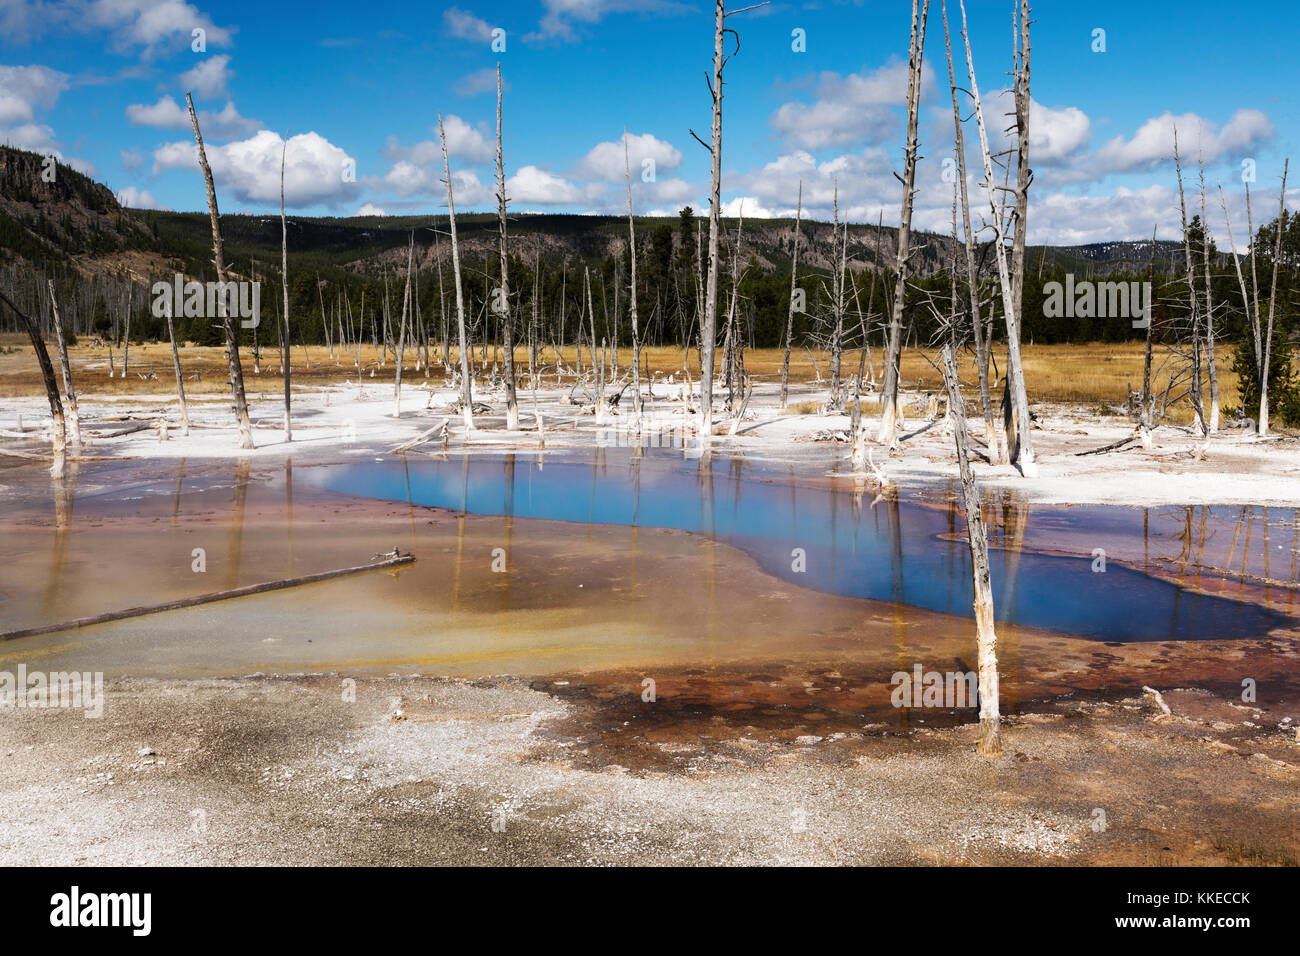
x: 1090, y: 374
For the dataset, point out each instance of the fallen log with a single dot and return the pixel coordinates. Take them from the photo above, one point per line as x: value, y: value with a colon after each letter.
x: 47, y: 456
x: 417, y: 440
x: 393, y: 559
x: 1113, y: 446
x: 130, y: 430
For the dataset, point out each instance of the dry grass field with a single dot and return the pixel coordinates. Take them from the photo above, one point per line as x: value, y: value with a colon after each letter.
x: 1092, y: 374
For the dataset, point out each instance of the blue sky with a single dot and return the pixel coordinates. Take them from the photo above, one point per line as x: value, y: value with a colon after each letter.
x: 359, y: 85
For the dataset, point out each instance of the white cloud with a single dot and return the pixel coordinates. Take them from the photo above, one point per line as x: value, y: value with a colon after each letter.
x: 165, y: 114
x: 855, y: 108
x: 665, y: 190
x: 560, y: 15
x: 370, y: 209
x: 138, y: 199
x: 33, y: 137
x: 209, y: 78
x: 169, y: 114
x: 1056, y: 133
x: 24, y: 89
x: 23, y: 20
x: 154, y: 24
x: 747, y: 206
x: 539, y: 187
x: 1125, y: 214
x: 249, y: 169
x: 406, y: 178
x: 654, y: 194
x: 463, y: 24
x: 606, y: 160
x: 867, y: 187
x: 464, y: 142
x: 479, y: 82
x: 1153, y: 143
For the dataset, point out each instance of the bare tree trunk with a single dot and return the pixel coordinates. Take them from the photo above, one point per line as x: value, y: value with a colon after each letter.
x: 732, y: 347
x: 512, y: 405
x: 466, y: 391
x: 401, y: 332
x: 126, y: 341
x: 1146, y: 357
x: 990, y: 732
x: 74, y: 424
x: 1209, y: 309
x: 597, y: 360
x: 837, y: 299
x: 58, y: 430
x: 284, y: 285
x: 219, y: 262
x: 320, y: 298
x: 1254, y: 283
x: 1015, y: 367
x: 636, y: 335
x: 1022, y: 453
x: 176, y: 367
x: 1272, y: 306
x: 994, y: 436
x: 1252, y: 316
x: 1194, y: 392
x: 532, y: 329
x: 708, y: 327
x: 888, y: 434
x: 794, y: 286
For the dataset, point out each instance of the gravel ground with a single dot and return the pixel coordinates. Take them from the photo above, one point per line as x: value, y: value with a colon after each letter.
x: 285, y: 770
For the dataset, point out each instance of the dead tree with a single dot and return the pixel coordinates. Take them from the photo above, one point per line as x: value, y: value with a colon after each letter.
x: 1209, y: 307
x: 512, y: 406
x: 176, y: 367
x: 219, y: 262
x: 994, y: 436
x: 730, y: 344
x: 1015, y: 366
x: 1272, y: 306
x: 865, y: 365
x: 837, y: 297
x: 401, y: 332
x: 631, y: 249
x: 533, y: 354
x: 1252, y: 314
x: 1021, y: 450
x: 1147, y: 403
x: 284, y: 285
x: 1195, y: 387
x: 466, y: 391
x: 74, y: 424
x: 708, y: 325
x: 126, y: 339
x: 58, y: 430
x: 989, y: 742
x: 794, y: 288
x: 888, y: 434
